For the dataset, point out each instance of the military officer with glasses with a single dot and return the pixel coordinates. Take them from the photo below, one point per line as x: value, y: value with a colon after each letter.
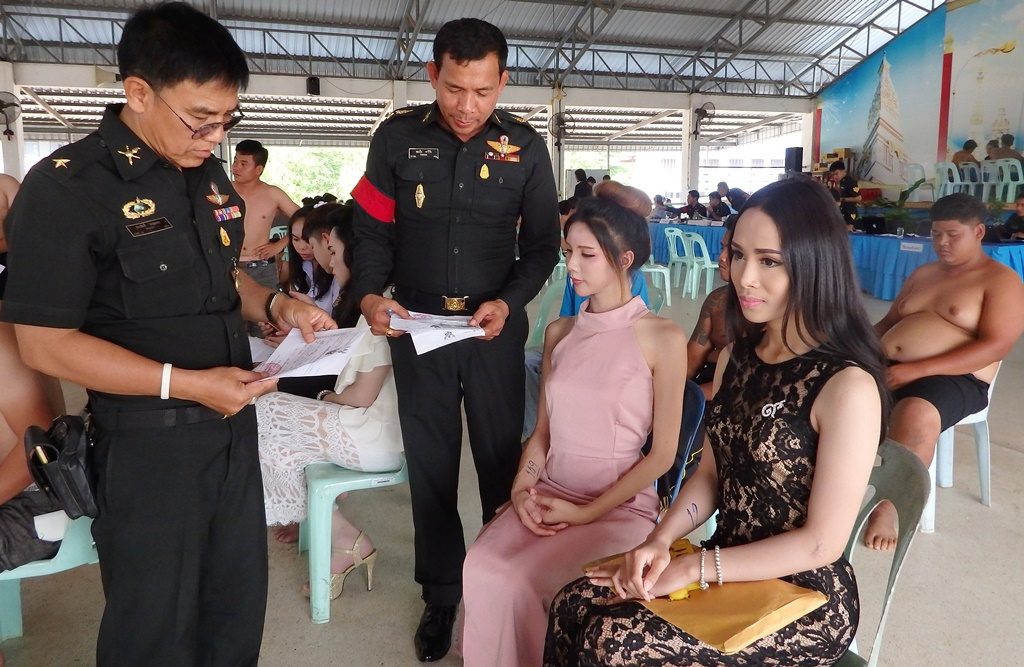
x: 123, y: 280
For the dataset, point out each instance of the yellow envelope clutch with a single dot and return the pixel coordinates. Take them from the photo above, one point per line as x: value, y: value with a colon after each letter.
x: 735, y: 615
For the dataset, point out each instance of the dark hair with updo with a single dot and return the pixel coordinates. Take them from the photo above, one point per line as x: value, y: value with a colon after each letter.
x: 824, y: 299
x: 617, y: 217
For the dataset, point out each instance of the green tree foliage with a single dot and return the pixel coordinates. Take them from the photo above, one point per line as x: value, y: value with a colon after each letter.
x: 307, y: 171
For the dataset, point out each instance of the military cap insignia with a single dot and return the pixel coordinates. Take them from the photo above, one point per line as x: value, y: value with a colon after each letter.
x: 139, y: 208
x: 130, y: 154
x: 61, y: 162
x: 215, y: 197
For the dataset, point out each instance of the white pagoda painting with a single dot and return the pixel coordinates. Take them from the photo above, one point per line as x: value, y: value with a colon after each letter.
x: 884, y: 158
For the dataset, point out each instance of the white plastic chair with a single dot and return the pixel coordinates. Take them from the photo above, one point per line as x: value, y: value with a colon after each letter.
x: 970, y: 173
x: 948, y: 178
x: 702, y: 261
x: 661, y: 271
x: 941, y: 469
x: 989, y: 180
x: 1011, y: 177
x: 76, y: 549
x: 916, y: 172
x: 678, y: 264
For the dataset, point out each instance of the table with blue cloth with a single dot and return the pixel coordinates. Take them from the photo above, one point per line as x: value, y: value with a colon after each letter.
x: 885, y: 262
x: 659, y: 244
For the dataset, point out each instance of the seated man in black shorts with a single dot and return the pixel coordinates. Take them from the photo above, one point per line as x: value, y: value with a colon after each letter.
x: 950, y: 325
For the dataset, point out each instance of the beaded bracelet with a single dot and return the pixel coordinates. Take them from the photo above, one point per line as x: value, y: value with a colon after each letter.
x: 703, y: 584
x: 320, y: 394
x: 718, y: 564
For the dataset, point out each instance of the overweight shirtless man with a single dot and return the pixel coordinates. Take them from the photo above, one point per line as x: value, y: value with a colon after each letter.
x: 263, y: 203
x: 950, y: 325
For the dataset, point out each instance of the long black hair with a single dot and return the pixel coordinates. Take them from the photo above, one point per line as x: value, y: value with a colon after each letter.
x: 322, y: 278
x: 337, y: 219
x: 824, y: 298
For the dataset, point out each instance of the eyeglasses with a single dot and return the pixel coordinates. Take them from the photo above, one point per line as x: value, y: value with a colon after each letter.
x: 203, y: 130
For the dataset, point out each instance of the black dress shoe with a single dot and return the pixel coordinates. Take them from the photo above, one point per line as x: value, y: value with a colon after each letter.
x: 434, y: 635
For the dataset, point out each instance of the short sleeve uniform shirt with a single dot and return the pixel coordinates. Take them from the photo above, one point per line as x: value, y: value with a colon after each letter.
x: 108, y: 238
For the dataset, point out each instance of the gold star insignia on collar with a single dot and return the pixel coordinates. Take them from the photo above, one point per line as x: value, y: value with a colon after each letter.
x: 130, y: 154
x: 59, y: 162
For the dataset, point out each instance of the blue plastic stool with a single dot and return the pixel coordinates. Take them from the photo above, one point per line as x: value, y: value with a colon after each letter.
x: 324, y: 483
x: 75, y: 549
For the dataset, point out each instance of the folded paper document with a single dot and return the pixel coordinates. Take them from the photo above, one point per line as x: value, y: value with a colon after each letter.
x: 430, y: 332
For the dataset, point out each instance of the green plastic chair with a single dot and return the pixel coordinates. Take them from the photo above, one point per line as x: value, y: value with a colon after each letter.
x: 76, y: 549
x: 903, y: 480
x: 702, y: 261
x: 679, y: 263
x: 657, y: 295
x: 656, y: 271
x: 324, y: 483
x: 552, y: 293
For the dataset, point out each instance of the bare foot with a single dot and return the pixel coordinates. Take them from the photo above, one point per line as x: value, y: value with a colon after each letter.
x: 287, y: 534
x: 880, y: 533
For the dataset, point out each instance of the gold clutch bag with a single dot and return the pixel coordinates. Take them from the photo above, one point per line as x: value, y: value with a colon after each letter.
x: 734, y: 615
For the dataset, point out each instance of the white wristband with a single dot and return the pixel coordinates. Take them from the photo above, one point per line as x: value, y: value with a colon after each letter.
x: 165, y: 382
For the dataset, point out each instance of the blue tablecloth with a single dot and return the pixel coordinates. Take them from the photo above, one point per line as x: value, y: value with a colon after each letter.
x: 659, y: 244
x: 884, y: 263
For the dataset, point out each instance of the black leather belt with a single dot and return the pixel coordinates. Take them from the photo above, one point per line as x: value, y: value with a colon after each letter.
x: 114, y: 421
x: 257, y: 263
x: 441, y: 304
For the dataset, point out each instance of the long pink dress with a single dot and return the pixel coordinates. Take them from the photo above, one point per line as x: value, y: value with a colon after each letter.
x: 600, y: 398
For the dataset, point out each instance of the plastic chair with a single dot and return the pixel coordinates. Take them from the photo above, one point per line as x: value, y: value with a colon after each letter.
x: 1011, y: 177
x: 948, y: 178
x: 941, y: 469
x: 678, y: 263
x: 916, y: 172
x: 702, y: 261
x: 324, y: 483
x: 551, y: 294
x: 970, y: 173
x: 989, y: 180
x: 76, y: 549
x: 688, y: 454
x: 902, y: 480
x: 559, y: 270
x: 659, y: 270
x: 657, y: 295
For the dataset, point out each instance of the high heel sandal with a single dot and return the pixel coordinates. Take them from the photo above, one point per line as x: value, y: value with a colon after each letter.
x: 337, y: 580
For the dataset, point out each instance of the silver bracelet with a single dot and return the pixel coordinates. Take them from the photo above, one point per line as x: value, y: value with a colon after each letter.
x: 703, y: 584
x: 718, y: 564
x: 323, y: 392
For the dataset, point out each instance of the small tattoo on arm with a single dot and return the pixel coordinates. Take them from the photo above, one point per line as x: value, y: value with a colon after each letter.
x: 691, y: 511
x: 532, y: 469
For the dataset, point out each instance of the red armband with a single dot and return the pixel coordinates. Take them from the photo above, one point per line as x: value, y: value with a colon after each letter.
x: 373, y: 201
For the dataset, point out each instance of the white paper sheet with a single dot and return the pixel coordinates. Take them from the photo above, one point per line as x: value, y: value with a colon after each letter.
x: 430, y: 332
x: 50, y: 527
x: 260, y: 351
x: 327, y: 355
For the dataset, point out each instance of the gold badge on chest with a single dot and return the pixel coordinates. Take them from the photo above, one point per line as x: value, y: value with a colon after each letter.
x: 139, y: 208
x: 420, y: 196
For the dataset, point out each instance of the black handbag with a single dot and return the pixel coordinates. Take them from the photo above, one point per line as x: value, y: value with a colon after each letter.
x: 60, y: 460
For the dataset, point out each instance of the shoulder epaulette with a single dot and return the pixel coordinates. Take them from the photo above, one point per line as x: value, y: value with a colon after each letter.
x: 68, y: 160
x: 408, y: 112
x: 515, y: 118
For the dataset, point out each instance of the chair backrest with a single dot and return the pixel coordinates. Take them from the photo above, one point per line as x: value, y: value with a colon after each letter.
x: 903, y: 480
x: 947, y: 172
x: 657, y: 296
x: 677, y: 240
x: 551, y: 293
x: 700, y: 248
x: 990, y: 170
x: 688, y: 454
x: 915, y: 171
x: 1010, y: 170
x: 971, y: 172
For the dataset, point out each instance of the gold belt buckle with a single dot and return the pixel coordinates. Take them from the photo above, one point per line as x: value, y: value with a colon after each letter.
x: 455, y: 303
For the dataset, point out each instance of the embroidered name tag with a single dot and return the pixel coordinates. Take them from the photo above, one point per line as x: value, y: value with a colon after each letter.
x: 424, y: 154
x: 228, y: 213
x: 146, y: 227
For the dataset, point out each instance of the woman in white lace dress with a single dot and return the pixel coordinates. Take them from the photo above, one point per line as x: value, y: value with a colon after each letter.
x: 354, y: 426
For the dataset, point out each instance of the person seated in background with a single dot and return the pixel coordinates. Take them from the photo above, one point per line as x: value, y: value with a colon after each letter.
x: 992, y: 150
x: 583, y: 188
x: 305, y: 275
x: 717, y: 209
x: 845, y: 191
x: 659, y: 211
x: 693, y: 209
x: 353, y: 423
x: 950, y: 325
x: 799, y: 411
x: 966, y: 154
x: 1013, y: 227
x: 583, y: 486
x: 1006, y: 150
x: 710, y: 334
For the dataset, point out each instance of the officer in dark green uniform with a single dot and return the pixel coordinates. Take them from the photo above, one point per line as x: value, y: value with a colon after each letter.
x: 123, y: 280
x: 436, y: 215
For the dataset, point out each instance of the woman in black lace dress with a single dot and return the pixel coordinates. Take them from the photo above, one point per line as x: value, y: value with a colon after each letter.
x: 798, y: 413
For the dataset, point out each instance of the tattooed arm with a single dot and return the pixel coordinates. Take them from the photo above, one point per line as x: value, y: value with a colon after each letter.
x: 700, y: 347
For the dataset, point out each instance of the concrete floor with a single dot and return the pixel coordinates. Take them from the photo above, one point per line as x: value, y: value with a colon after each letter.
x: 957, y: 603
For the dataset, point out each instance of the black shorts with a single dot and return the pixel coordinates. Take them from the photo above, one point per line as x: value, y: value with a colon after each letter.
x: 705, y: 373
x: 954, y: 396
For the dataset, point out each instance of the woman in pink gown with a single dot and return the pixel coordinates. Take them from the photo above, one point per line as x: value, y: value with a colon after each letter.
x: 611, y: 376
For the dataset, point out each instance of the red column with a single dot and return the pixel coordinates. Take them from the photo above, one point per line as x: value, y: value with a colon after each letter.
x: 941, y: 153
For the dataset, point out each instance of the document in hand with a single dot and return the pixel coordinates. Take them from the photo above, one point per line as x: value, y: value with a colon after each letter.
x: 327, y: 355
x: 430, y: 332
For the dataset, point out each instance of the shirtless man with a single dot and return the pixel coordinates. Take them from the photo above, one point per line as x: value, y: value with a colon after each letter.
x: 710, y: 334
x: 263, y: 203
x: 950, y: 325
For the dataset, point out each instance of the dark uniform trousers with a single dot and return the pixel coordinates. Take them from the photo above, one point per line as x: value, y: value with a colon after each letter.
x: 489, y: 376
x: 181, y: 537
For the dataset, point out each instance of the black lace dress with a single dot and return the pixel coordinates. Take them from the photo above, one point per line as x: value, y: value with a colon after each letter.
x: 760, y: 428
